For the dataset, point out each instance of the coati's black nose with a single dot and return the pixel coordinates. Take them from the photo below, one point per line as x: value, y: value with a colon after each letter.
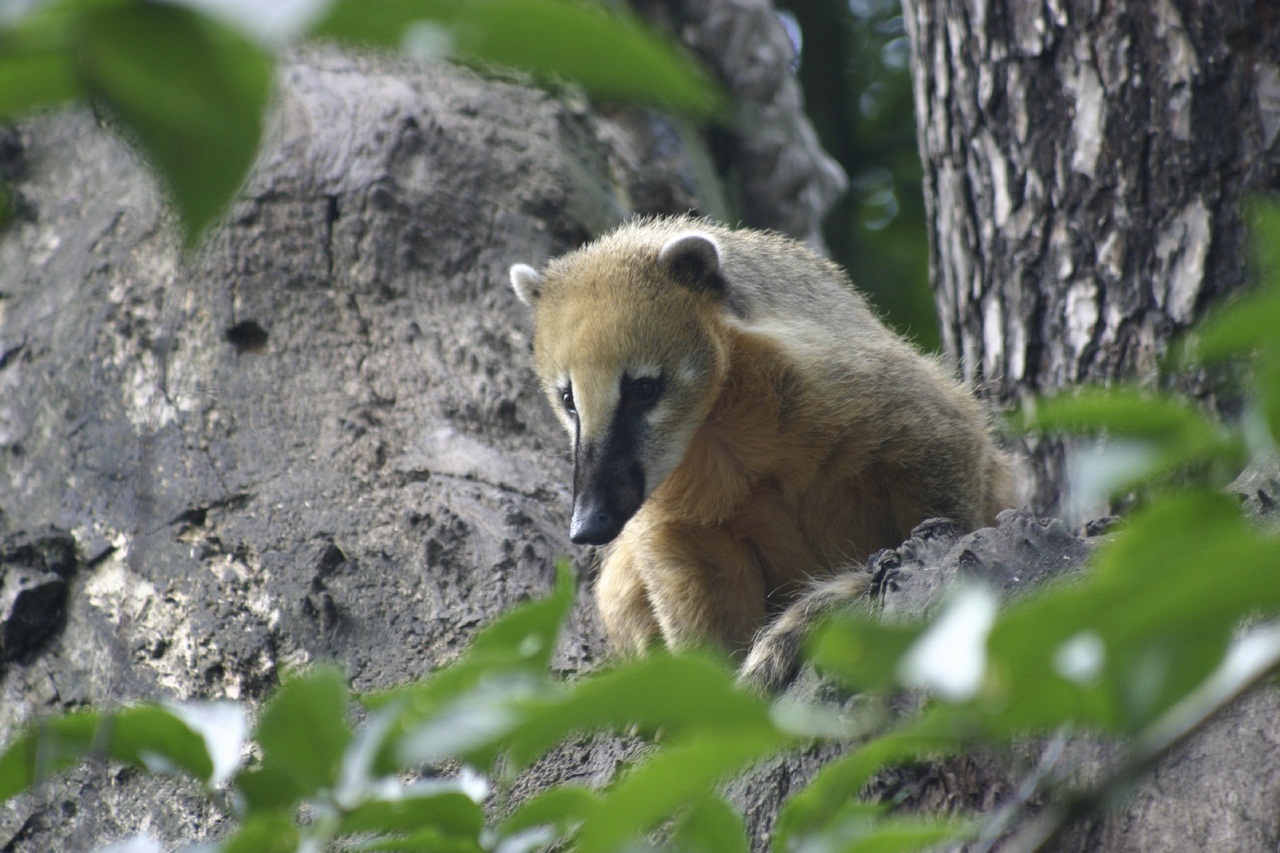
x: 593, y: 525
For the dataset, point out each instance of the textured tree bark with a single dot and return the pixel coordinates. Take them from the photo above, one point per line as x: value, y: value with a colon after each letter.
x: 1084, y: 165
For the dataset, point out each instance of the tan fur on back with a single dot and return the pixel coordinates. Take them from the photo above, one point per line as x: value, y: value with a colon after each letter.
x: 819, y: 437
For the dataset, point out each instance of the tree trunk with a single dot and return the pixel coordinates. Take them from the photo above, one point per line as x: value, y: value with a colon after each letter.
x: 1084, y: 167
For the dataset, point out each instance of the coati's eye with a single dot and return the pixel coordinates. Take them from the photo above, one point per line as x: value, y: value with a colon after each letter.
x: 566, y: 400
x: 645, y: 390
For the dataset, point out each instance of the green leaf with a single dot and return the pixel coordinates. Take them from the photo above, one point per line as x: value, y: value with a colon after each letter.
x: 1252, y: 320
x: 222, y: 726
x: 1262, y: 215
x: 672, y: 778
x: 268, y: 789
x: 525, y: 638
x: 520, y: 641
x: 471, y: 728
x: 679, y: 695
x: 862, y: 651
x: 263, y: 833
x: 145, y: 736
x: 153, y: 737
x: 854, y: 831
x: 1173, y: 433
x: 48, y: 747
x: 507, y: 660
x: 303, y: 734
x: 34, y: 80
x: 838, y: 782
x: 36, y: 61
x: 1150, y: 622
x: 451, y: 814
x: 609, y: 53
x: 1172, y: 592
x: 192, y: 92
x: 562, y: 808
x: 1268, y: 384
x: 1249, y: 322
x: 426, y: 841
x: 1126, y: 412
x: 710, y: 825
x: 1114, y: 651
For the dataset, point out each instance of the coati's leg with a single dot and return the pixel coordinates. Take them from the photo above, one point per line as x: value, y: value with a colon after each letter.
x: 624, y: 606
x: 774, y: 659
x: 705, y: 587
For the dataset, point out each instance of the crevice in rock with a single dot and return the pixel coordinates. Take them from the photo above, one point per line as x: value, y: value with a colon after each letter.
x: 247, y: 336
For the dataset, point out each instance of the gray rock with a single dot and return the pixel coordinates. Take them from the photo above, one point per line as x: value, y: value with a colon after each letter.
x: 1012, y: 557
x: 318, y: 439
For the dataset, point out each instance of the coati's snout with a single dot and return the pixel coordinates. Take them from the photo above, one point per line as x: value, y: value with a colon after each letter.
x: 606, y: 493
x: 609, y: 474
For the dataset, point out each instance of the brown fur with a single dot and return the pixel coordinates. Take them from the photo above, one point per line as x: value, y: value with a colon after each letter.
x: 795, y: 434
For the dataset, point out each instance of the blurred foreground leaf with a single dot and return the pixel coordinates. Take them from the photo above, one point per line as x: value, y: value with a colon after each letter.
x: 303, y: 734
x: 1249, y: 327
x: 1111, y: 650
x: 449, y: 813
x: 685, y: 697
x: 147, y: 736
x: 835, y: 787
x: 611, y: 54
x: 1249, y: 322
x: 37, y: 67
x: 33, y: 80
x: 658, y: 787
x: 562, y: 807
x: 263, y: 833
x: 192, y: 91
x: 1149, y: 435
x: 710, y: 825
x: 466, y: 707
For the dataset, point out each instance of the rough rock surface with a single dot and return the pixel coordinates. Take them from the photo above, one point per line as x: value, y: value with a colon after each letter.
x: 317, y: 439
x: 1013, y: 557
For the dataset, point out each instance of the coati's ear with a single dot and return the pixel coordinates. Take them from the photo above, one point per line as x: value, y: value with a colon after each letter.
x: 693, y: 259
x: 527, y: 283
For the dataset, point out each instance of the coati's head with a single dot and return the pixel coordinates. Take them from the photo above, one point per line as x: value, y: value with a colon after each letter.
x: 630, y: 351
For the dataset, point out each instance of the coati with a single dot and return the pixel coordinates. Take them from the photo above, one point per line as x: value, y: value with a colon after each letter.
x: 742, y: 426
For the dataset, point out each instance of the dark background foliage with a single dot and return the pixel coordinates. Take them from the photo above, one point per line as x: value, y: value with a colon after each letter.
x: 854, y: 69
